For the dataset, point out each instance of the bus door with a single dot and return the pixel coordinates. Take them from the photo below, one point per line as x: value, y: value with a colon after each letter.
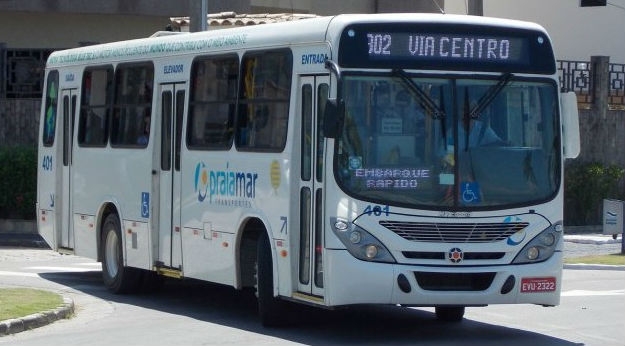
x: 68, y: 116
x: 313, y: 92
x: 168, y: 179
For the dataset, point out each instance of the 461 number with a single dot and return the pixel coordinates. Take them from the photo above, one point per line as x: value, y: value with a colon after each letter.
x: 377, y: 210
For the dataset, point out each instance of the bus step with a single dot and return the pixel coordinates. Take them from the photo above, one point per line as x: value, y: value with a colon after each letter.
x: 169, y: 272
x: 65, y: 251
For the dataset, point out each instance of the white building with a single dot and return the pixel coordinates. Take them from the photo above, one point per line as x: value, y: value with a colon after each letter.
x: 578, y: 32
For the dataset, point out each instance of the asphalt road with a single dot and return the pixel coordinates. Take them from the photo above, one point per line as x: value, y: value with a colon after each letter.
x: 195, y: 313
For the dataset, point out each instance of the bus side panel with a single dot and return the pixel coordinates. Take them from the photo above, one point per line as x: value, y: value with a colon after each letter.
x: 85, y: 237
x: 208, y: 223
x: 137, y: 244
x: 47, y: 162
x: 118, y: 176
x: 46, y: 219
x: 208, y: 255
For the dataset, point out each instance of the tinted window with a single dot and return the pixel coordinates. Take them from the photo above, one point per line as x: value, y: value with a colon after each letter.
x: 264, y: 100
x: 213, y: 101
x: 95, y: 106
x: 49, y: 125
x: 132, y: 105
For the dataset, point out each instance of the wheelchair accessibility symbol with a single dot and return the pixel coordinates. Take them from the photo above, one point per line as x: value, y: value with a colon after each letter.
x: 470, y: 192
x: 145, y: 204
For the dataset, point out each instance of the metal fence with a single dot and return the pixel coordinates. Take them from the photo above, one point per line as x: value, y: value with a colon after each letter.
x: 577, y: 76
x: 23, y: 72
x: 616, y: 95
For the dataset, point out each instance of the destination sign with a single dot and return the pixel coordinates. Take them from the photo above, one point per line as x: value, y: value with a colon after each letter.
x: 447, y: 47
x: 438, y: 46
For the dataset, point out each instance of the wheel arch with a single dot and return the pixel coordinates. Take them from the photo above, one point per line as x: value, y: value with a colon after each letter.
x: 246, y: 251
x: 106, y: 209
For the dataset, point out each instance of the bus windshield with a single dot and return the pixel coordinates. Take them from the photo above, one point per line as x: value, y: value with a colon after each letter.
x: 461, y: 142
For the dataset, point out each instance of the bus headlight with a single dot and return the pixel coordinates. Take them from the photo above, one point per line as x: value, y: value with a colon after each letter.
x: 371, y: 251
x: 532, y: 253
x: 360, y: 243
x: 541, y: 247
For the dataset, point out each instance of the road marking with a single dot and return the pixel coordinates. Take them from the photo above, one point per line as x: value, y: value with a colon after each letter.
x: 3, y: 273
x: 62, y: 269
x: 586, y: 293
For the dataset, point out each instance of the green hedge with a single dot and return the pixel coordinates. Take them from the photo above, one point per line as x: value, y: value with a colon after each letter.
x: 18, y: 182
x: 585, y: 187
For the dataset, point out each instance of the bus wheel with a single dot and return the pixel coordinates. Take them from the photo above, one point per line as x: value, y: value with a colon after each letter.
x: 450, y: 313
x: 117, y: 278
x: 271, y: 309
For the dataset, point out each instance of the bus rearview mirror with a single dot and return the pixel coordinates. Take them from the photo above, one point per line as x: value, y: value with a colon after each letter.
x: 331, y: 118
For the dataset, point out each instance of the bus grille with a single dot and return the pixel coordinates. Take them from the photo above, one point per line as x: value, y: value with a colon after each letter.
x: 454, y: 282
x: 454, y: 232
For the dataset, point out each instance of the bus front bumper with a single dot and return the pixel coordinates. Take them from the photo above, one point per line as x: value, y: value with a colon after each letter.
x: 351, y: 281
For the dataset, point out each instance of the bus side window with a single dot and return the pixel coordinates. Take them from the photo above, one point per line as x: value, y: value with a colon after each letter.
x: 212, y: 102
x: 49, y: 125
x: 264, y: 100
x: 95, y: 106
x: 133, y: 95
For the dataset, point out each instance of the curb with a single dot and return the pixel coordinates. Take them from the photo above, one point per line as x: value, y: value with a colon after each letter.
x: 29, y: 240
x: 582, y: 266
x: 37, y: 320
x: 591, y: 239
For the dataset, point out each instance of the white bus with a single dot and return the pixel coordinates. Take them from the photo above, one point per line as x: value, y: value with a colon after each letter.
x: 321, y: 161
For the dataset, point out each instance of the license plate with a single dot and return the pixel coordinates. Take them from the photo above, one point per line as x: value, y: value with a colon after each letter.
x: 533, y: 285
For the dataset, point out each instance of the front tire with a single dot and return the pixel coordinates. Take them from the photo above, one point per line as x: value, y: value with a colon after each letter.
x: 450, y: 313
x: 117, y: 278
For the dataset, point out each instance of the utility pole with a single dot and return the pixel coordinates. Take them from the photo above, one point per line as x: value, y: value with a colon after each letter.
x: 197, y: 17
x: 476, y: 8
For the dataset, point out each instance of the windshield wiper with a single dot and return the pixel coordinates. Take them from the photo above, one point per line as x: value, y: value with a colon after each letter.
x: 490, y: 95
x: 424, y: 100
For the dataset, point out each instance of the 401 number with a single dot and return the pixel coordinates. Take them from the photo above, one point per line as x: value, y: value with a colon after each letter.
x: 47, y: 163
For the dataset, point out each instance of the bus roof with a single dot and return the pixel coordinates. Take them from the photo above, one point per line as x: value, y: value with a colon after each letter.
x: 310, y: 30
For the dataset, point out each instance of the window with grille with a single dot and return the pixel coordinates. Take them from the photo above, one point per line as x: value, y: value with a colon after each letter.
x: 25, y: 72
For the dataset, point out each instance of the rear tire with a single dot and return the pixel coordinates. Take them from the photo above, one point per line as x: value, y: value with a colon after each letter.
x: 450, y: 313
x: 270, y: 309
x: 117, y: 278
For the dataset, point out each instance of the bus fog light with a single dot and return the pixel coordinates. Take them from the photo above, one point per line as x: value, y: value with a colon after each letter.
x: 532, y: 253
x: 355, y: 237
x: 371, y: 251
x: 548, y: 239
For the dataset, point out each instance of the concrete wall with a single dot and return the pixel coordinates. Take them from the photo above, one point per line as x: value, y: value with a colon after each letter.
x: 577, y: 32
x: 332, y: 7
x: 66, y: 30
x: 19, y: 121
x: 602, y: 139
x: 128, y: 7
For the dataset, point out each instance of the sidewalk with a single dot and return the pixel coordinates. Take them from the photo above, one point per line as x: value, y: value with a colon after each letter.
x: 591, y: 238
x: 29, y: 240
